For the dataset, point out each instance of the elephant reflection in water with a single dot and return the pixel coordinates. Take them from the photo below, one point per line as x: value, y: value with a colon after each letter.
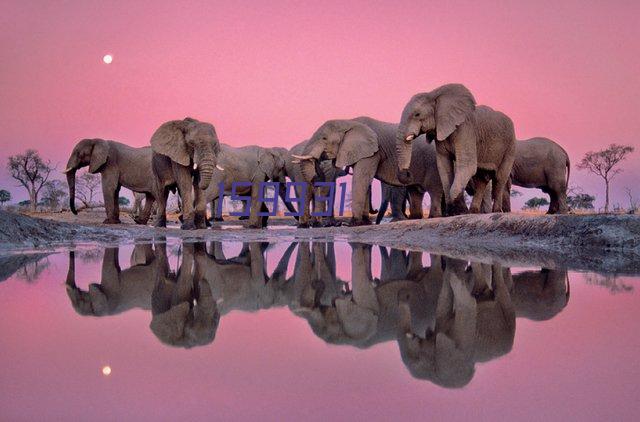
x: 184, y: 311
x: 119, y: 290
x: 182, y: 307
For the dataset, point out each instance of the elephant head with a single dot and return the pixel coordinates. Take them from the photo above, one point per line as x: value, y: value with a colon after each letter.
x: 92, y: 302
x: 344, y: 142
x: 184, y: 311
x: 437, y: 114
x: 88, y: 152
x: 189, y: 142
x: 271, y: 162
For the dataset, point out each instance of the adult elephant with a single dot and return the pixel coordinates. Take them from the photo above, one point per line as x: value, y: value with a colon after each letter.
x: 251, y: 165
x: 119, y: 165
x: 325, y: 171
x: 367, y: 145
x: 543, y: 164
x: 471, y: 141
x: 184, y: 156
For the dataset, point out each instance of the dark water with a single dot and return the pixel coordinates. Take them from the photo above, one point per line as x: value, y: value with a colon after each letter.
x: 310, y: 330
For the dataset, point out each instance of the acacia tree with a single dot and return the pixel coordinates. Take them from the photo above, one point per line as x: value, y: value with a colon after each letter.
x: 603, y: 163
x: 87, y: 188
x: 54, y: 193
x: 535, y: 203
x: 32, y: 172
x: 5, y: 196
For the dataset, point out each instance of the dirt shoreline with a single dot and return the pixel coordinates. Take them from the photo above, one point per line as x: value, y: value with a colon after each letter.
x: 604, y: 243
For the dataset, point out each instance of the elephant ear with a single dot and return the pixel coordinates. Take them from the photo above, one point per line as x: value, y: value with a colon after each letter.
x: 169, y: 140
x: 454, y: 104
x: 267, y: 162
x: 359, y: 142
x: 99, y: 155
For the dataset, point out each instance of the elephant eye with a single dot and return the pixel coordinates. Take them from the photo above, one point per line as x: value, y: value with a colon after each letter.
x: 416, y: 114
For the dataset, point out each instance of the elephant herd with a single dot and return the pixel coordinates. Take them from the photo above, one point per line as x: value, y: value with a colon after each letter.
x: 475, y: 150
x: 444, y: 317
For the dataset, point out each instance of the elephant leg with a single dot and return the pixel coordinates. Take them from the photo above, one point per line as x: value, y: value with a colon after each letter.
x: 110, y: 193
x: 186, y: 185
x: 363, y: 173
x: 506, y: 198
x: 254, y: 220
x: 305, y: 193
x: 501, y: 179
x: 561, y: 196
x: 415, y: 203
x: 445, y: 170
x: 383, y: 208
x: 143, y: 217
x: 480, y: 188
x: 398, y: 198
x: 244, y: 211
x: 485, y: 208
x: 161, y: 198
x: 200, y: 217
x: 214, y: 209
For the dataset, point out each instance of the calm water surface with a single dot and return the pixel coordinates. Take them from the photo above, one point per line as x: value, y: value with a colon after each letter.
x: 310, y: 331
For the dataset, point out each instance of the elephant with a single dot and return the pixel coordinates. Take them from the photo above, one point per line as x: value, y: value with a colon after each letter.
x: 252, y: 165
x: 471, y: 142
x: 325, y: 171
x: 474, y: 322
x: 184, y: 156
x: 119, y: 290
x: 367, y: 314
x: 367, y: 145
x: 543, y: 164
x: 119, y: 165
x: 540, y: 295
x: 184, y: 311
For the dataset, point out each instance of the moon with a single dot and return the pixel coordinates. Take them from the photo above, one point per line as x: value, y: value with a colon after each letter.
x: 106, y: 370
x: 108, y: 58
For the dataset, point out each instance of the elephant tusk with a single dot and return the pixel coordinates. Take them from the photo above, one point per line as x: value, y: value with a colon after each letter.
x: 219, y: 168
x: 67, y: 170
x: 303, y: 157
x: 295, y: 161
x: 410, y: 138
x: 195, y: 166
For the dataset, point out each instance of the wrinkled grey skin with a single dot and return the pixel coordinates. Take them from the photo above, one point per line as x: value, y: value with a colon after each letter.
x: 184, y: 311
x: 178, y: 146
x: 367, y: 145
x: 324, y: 172
x: 543, y: 164
x: 479, y: 140
x: 119, y: 165
x: 249, y: 164
x: 119, y: 290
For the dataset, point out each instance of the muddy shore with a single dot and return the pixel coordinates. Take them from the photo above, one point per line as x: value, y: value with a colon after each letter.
x: 607, y: 243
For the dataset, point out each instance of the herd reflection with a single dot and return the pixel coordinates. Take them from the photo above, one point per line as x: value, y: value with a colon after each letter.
x: 445, y: 317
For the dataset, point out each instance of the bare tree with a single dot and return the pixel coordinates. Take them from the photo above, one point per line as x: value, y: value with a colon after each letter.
x: 603, y: 163
x: 5, y: 196
x: 54, y: 193
x: 32, y: 172
x: 88, y: 188
x: 633, y: 204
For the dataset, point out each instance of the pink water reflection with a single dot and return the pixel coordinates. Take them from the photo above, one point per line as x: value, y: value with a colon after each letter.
x: 580, y: 364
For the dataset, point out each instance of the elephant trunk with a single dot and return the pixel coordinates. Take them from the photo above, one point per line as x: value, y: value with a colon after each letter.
x: 403, y: 152
x: 71, y: 181
x: 206, y: 164
x: 308, y: 168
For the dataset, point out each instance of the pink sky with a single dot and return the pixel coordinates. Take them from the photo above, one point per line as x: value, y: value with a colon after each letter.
x: 269, y: 73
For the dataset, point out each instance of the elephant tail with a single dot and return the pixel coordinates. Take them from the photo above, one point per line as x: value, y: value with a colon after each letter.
x: 568, y: 164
